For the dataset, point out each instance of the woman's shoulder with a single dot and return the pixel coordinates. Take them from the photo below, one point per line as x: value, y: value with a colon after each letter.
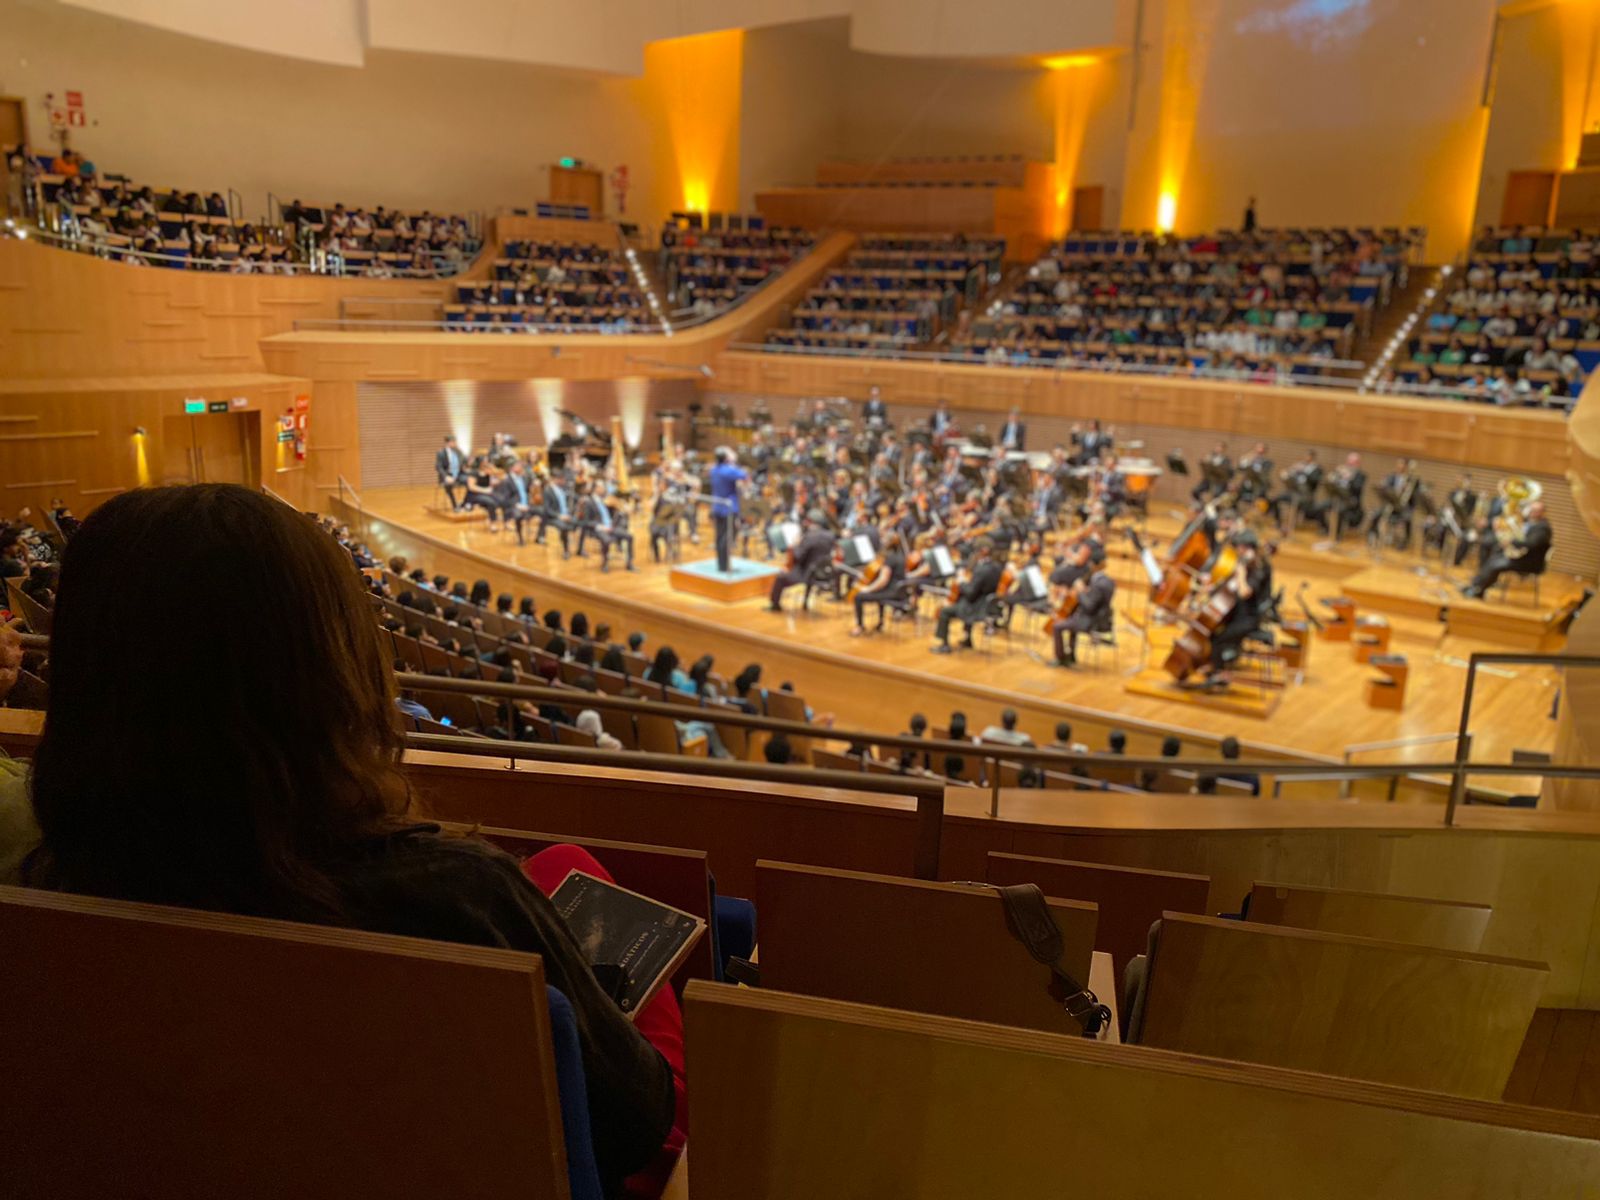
x: 426, y: 882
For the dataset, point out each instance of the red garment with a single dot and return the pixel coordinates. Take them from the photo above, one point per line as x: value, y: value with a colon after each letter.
x: 660, y: 1021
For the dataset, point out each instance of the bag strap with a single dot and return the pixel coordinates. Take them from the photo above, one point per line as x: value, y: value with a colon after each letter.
x: 1028, y: 920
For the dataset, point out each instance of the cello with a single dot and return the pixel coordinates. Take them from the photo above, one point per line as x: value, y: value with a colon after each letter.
x: 1188, y: 554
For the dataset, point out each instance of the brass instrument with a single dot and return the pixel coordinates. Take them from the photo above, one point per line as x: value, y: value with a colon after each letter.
x: 1517, y: 492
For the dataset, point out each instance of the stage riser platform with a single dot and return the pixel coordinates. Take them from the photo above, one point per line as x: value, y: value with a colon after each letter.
x: 1514, y: 622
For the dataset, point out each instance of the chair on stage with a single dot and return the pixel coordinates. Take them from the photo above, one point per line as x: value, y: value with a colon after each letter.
x: 1535, y: 575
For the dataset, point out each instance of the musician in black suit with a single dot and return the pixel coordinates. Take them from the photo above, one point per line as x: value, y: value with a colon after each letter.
x: 559, y: 510
x: 1092, y: 443
x: 1252, y: 584
x: 1458, y: 515
x: 1013, y: 434
x: 1399, y: 491
x: 451, y: 468
x: 1348, y: 485
x: 1304, y: 478
x: 1044, y: 507
x: 1216, y: 472
x: 874, y: 409
x: 1525, y: 555
x: 972, y: 600
x: 512, y: 495
x: 596, y: 520
x: 811, y: 554
x: 1255, y: 473
x: 1094, y: 614
x: 941, y: 419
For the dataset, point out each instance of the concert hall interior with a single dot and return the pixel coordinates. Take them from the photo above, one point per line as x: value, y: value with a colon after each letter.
x: 895, y: 568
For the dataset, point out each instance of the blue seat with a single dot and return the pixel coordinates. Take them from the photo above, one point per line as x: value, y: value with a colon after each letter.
x: 583, y: 1174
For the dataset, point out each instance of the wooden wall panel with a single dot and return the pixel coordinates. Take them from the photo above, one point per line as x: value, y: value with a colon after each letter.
x: 402, y: 425
x: 75, y: 438
x: 64, y: 314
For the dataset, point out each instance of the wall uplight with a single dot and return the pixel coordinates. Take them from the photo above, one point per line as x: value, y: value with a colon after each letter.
x: 1167, y: 213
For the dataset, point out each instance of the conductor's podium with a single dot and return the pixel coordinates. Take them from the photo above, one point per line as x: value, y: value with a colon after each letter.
x: 747, y: 580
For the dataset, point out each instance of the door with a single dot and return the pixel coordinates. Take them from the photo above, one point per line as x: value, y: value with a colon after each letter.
x: 213, y: 448
x: 1088, y: 204
x: 1529, y: 196
x: 13, y: 132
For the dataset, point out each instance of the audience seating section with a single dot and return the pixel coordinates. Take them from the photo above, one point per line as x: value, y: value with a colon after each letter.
x: 893, y: 291
x: 798, y: 1097
x: 1520, y: 325
x: 1274, y: 302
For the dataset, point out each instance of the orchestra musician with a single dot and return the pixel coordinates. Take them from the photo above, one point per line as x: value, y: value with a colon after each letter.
x: 1255, y: 474
x: 1347, y: 486
x: 886, y: 586
x: 451, y: 469
x: 513, y: 495
x: 1399, y: 490
x: 558, y: 510
x: 1013, y: 434
x: 873, y: 409
x: 1095, y: 591
x: 1095, y: 441
x: 1459, y: 516
x: 1303, y: 479
x: 596, y: 520
x: 810, y: 555
x: 1251, y: 583
x: 1216, y: 473
x: 1523, y: 552
x: 941, y: 421
x: 666, y: 512
x: 971, y: 604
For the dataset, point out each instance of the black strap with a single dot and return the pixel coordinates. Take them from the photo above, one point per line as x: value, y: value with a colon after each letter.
x: 1028, y: 920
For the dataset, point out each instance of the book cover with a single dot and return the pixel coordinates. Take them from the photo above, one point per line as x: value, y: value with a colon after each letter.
x: 646, y: 939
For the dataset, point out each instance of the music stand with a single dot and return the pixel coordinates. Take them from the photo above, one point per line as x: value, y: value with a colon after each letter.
x: 1177, y: 464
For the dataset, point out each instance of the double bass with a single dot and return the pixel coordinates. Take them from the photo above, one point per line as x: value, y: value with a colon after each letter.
x: 1192, y: 650
x: 1188, y: 554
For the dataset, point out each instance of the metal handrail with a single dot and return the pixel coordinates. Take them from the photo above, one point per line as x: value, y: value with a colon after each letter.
x: 990, y: 751
x: 664, y: 328
x: 928, y: 793
x: 104, y: 249
x: 1425, y: 739
x: 1156, y: 370
x: 1458, y: 782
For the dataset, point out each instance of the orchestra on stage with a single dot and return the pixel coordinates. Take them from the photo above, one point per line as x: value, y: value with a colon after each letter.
x: 975, y: 527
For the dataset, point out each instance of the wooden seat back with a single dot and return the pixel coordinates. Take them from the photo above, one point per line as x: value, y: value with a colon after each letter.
x: 734, y: 822
x: 1415, y: 1016
x: 905, y: 943
x: 1447, y: 924
x: 798, y: 1098
x: 187, y: 1055
x: 1130, y: 899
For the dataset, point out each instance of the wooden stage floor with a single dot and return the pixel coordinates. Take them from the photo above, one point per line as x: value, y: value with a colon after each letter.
x: 1321, y: 716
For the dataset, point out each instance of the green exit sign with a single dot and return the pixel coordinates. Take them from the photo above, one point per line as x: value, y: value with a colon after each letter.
x: 194, y: 406
x: 569, y: 162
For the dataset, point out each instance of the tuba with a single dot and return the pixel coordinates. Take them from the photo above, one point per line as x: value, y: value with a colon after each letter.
x: 1517, y: 492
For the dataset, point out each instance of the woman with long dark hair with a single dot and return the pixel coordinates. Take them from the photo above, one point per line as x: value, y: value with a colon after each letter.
x: 245, y: 759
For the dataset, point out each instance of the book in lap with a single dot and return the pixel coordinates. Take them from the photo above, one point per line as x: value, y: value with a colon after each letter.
x: 640, y: 940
